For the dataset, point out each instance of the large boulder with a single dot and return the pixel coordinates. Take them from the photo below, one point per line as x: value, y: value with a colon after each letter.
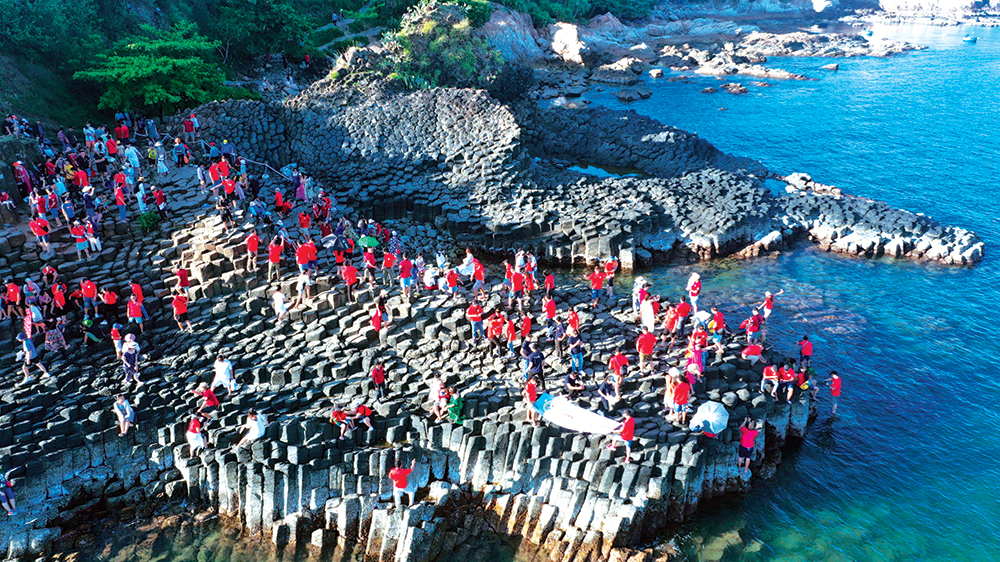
x: 512, y: 34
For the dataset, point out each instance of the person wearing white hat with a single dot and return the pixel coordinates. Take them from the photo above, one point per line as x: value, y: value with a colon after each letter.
x: 130, y: 360
x: 768, y: 305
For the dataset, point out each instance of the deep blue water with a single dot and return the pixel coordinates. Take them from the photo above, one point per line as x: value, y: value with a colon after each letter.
x: 909, y: 468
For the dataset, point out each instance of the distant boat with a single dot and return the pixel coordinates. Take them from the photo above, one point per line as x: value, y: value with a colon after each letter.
x: 970, y: 38
x: 866, y: 32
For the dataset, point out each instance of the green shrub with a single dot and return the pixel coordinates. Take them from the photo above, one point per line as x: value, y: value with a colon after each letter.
x: 321, y: 37
x: 148, y: 221
x: 478, y: 11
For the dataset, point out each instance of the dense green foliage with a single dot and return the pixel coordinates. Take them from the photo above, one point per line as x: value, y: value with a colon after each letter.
x: 160, y: 69
x: 251, y: 28
x: 543, y: 12
x: 435, y: 46
x: 148, y: 221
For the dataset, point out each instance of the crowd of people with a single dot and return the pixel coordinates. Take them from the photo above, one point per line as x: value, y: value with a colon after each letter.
x: 68, y: 196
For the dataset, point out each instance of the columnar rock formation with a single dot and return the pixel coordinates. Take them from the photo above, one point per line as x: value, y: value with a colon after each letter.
x: 559, y: 490
x: 497, y: 178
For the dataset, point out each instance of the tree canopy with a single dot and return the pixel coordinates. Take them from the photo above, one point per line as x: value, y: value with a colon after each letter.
x: 163, y: 69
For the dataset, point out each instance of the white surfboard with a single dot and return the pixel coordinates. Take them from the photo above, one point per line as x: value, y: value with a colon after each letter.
x: 560, y: 411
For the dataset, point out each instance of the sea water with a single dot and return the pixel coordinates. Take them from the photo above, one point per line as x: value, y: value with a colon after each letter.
x: 908, y: 469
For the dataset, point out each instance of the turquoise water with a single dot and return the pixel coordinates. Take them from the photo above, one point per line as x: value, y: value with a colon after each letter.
x: 908, y: 469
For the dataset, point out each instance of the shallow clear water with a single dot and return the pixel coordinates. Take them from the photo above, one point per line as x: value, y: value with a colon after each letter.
x: 908, y: 469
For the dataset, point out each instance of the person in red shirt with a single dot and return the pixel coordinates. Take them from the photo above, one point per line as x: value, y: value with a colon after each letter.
x: 109, y: 306
x: 378, y: 379
x: 188, y: 130
x: 351, y: 280
x: 134, y: 312
x: 496, y: 323
x: 834, y: 383
x: 59, y: 300
x: 516, y: 290
x: 596, y: 284
x: 610, y: 267
x: 388, y: 263
x: 479, y: 280
x: 644, y: 345
x: 79, y: 234
x: 512, y: 333
x: 195, y: 438
x: 573, y: 319
x: 752, y: 326
x: 748, y: 436
x: 751, y: 353
x: 253, y: 243
x: 184, y: 280
x: 452, y: 281
x: 525, y: 326
x: 406, y: 276
x: 274, y: 259
x: 40, y: 227
x: 209, y: 403
x: 475, y: 316
x: 550, y: 283
x: 624, y: 433
x: 680, y: 396
x: 805, y: 352
x: 549, y: 306
x: 181, y: 310
x: 161, y: 202
x: 786, y: 380
x: 683, y: 311
x: 120, y: 202
x: 694, y: 289
x: 400, y: 482
x: 618, y: 364
x: 768, y: 305
x: 770, y: 378
x: 112, y: 146
x: 88, y: 289
x: 530, y: 394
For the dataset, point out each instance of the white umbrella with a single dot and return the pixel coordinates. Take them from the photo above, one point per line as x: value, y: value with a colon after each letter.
x: 710, y: 418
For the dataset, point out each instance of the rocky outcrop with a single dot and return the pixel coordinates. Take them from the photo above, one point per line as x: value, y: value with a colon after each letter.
x: 497, y: 177
x: 761, y: 45
x: 299, y: 483
x: 513, y: 34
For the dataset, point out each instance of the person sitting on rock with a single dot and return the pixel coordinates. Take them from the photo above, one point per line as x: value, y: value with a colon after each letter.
x: 255, y: 426
x: 209, y: 402
x: 125, y: 414
x: 338, y: 417
x: 573, y: 384
x: 440, y: 408
x: 751, y: 353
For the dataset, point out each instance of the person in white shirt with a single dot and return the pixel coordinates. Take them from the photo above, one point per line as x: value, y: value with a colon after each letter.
x: 255, y: 425
x: 224, y: 375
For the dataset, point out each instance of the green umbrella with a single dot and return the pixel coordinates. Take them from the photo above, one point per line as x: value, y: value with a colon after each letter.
x: 368, y: 241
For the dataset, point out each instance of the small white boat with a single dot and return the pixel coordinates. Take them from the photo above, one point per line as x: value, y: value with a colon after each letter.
x: 867, y: 32
x: 970, y: 39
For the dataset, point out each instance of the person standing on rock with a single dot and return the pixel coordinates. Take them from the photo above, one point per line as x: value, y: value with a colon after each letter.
x: 195, y: 437
x: 351, y: 281
x: 644, y: 346
x: 680, y: 396
x: 180, y: 306
x: 401, y: 482
x: 475, y: 316
x: 610, y: 267
x: 253, y: 244
x: 130, y: 360
x: 624, y: 433
x: 125, y: 414
x: 406, y: 279
x: 516, y: 290
x: 550, y: 283
x: 40, y: 228
x: 805, y: 352
x: 834, y: 383
x: 748, y: 436
x: 274, y: 250
x: 530, y: 394
x: 109, y: 308
x: 28, y: 354
x: 596, y: 278
x: 647, y: 313
x: 224, y: 375
x: 768, y: 305
x: 378, y: 379
x: 134, y: 312
x: 694, y: 289
x: 752, y: 326
x: 536, y: 366
x: 575, y: 343
x: 280, y: 307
